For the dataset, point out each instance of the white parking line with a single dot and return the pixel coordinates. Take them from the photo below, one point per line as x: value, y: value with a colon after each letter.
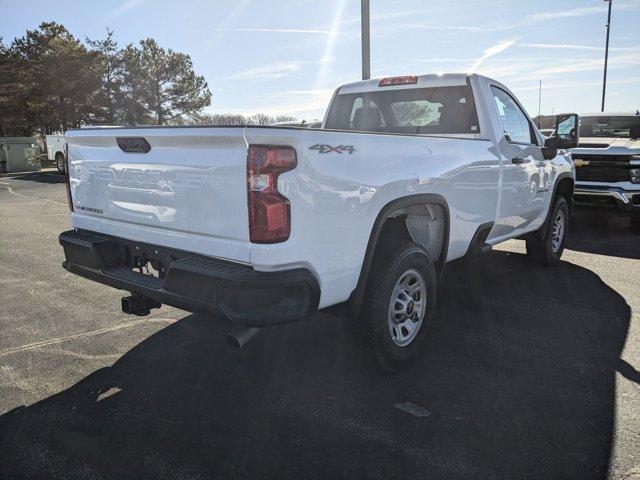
x: 29, y: 196
x: 53, y: 341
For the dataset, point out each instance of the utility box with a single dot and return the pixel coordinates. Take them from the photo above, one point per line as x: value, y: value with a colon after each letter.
x: 19, y: 154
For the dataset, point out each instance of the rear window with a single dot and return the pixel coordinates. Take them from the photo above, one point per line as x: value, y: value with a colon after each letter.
x: 437, y: 110
x: 608, y: 126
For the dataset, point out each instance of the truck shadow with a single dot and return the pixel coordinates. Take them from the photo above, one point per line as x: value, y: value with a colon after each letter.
x: 41, y: 177
x: 603, y: 233
x: 517, y: 375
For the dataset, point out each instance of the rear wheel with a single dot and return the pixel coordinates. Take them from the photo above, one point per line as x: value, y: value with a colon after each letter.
x: 546, y: 246
x: 398, y: 306
x: 60, y: 162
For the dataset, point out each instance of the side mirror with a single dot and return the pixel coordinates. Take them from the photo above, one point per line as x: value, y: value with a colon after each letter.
x: 566, y: 131
x: 565, y: 135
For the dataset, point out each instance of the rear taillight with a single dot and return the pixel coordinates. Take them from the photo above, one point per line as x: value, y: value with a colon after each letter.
x: 269, y: 211
x: 66, y: 175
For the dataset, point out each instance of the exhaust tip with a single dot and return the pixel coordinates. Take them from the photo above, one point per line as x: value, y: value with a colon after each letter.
x: 233, y: 341
x: 240, y: 336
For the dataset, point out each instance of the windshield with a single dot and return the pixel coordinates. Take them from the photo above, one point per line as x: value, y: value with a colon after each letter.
x: 608, y: 126
x: 438, y: 110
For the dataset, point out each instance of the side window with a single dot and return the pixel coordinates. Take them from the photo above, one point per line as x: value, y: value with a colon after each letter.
x: 355, y: 117
x: 514, y: 122
x: 357, y: 103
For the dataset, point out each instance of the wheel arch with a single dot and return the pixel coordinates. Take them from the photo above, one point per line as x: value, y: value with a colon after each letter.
x: 355, y: 300
x: 564, y: 186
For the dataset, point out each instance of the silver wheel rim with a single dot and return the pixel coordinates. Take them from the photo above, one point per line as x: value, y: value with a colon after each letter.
x: 557, y: 233
x: 407, y: 307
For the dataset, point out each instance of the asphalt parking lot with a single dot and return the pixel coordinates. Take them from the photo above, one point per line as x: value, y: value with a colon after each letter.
x: 527, y: 373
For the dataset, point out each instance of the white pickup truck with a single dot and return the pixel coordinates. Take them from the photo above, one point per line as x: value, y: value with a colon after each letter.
x: 55, y: 150
x: 266, y: 225
x: 607, y: 163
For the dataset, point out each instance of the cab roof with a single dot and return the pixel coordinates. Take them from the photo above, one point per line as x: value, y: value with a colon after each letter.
x: 424, y: 81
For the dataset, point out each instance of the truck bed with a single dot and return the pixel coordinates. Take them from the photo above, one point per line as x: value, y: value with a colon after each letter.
x: 190, y: 191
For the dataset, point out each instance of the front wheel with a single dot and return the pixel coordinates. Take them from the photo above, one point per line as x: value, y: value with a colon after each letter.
x: 398, y: 306
x: 60, y: 162
x: 546, y: 246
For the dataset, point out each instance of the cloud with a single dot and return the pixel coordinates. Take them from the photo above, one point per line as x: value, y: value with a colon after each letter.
x: 587, y: 65
x: 573, y: 85
x: 268, y: 72
x: 296, y: 30
x: 492, y: 51
x: 563, y: 46
x: 575, y: 47
x: 527, y: 69
x: 462, y: 28
x: 385, y: 16
x: 278, y: 69
x: 575, y: 12
x: 581, y: 11
x: 126, y: 6
x: 230, y: 19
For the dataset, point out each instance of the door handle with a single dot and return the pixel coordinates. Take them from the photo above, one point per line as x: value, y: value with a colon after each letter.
x: 519, y: 160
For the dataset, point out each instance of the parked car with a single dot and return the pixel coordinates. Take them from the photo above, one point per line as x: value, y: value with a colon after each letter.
x: 262, y: 225
x: 607, y: 163
x: 55, y: 150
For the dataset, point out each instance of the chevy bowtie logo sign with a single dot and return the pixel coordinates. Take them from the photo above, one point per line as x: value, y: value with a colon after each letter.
x: 580, y: 163
x: 324, y: 148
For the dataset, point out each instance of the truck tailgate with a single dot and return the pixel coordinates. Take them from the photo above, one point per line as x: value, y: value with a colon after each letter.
x: 190, y: 185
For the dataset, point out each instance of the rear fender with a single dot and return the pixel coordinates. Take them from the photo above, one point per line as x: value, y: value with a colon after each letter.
x: 355, y: 300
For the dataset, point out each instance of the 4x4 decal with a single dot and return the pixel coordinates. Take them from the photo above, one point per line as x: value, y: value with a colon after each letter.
x: 324, y: 148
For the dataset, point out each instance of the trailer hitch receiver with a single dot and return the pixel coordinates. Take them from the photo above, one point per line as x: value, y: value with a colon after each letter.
x: 137, y: 304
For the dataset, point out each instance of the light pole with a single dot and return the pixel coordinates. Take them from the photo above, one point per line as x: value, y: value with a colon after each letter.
x: 606, y: 54
x: 364, y: 33
x: 539, y: 103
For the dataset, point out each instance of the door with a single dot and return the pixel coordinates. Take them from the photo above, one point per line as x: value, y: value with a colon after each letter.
x: 526, y: 175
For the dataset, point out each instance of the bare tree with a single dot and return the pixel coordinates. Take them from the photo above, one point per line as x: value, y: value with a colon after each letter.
x: 236, y: 119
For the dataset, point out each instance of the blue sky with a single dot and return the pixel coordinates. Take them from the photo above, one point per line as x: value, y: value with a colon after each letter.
x: 287, y: 56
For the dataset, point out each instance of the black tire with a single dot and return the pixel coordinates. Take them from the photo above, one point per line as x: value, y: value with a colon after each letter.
x: 543, y: 246
x: 60, y: 162
x: 374, y: 322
